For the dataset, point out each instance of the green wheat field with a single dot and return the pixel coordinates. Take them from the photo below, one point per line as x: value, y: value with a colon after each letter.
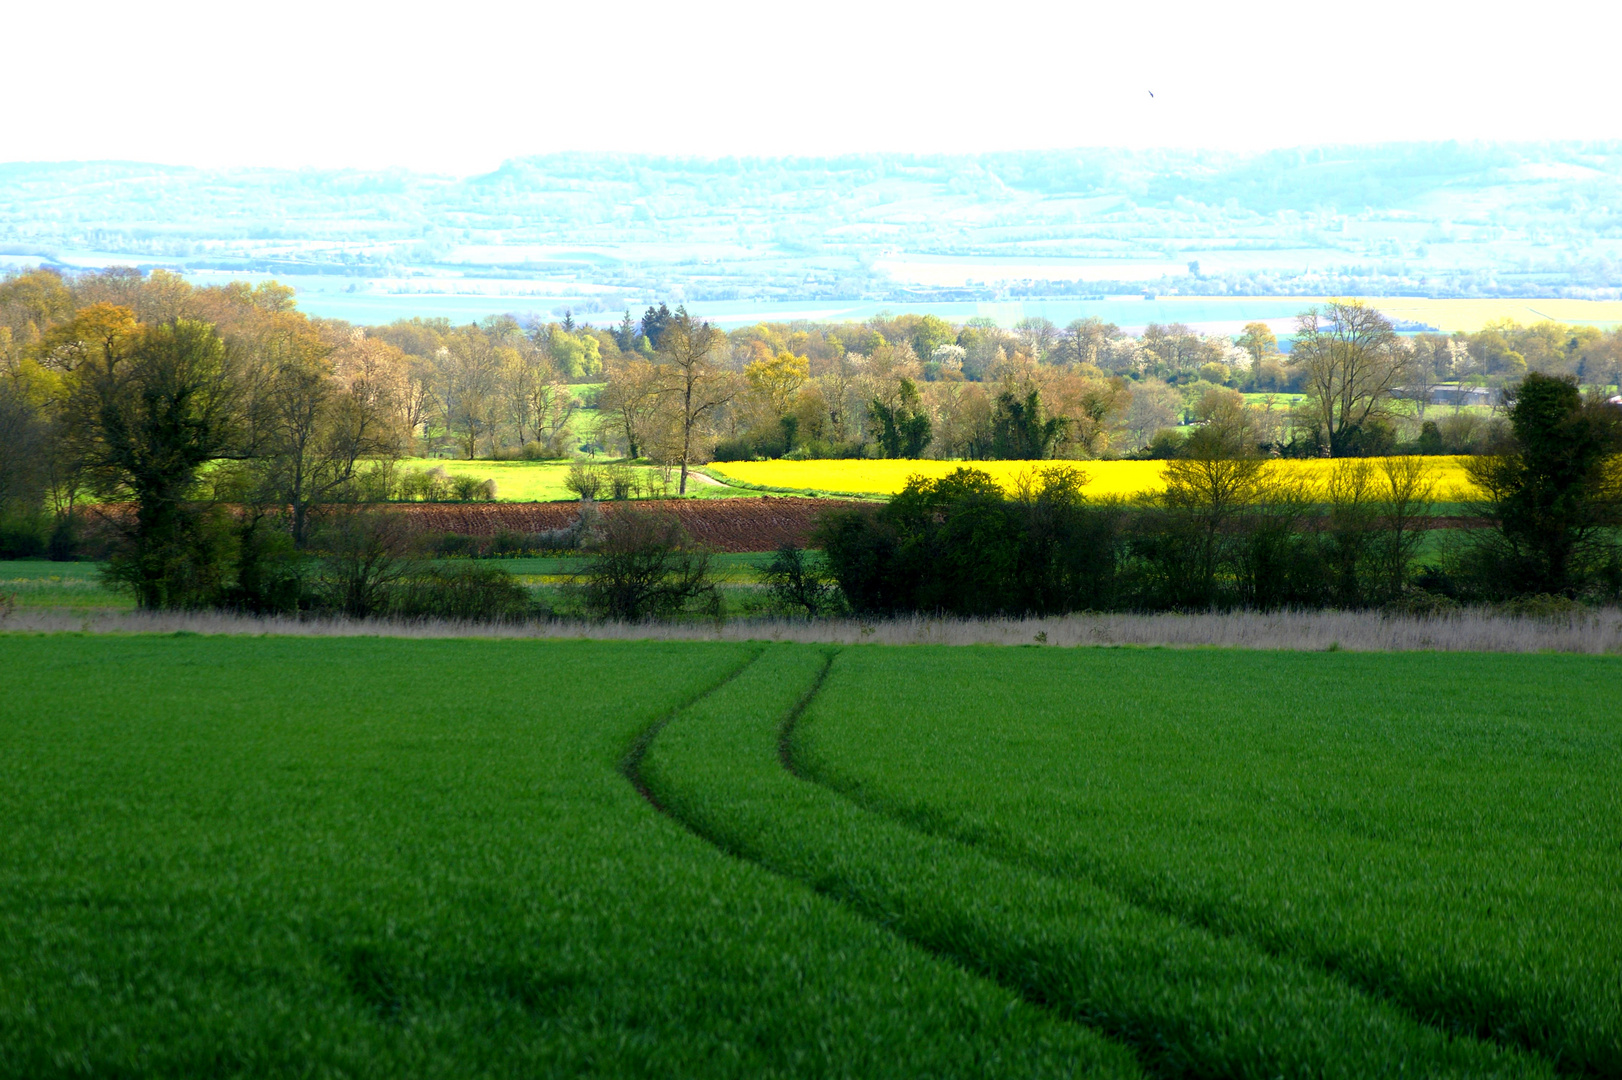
x: 273, y: 856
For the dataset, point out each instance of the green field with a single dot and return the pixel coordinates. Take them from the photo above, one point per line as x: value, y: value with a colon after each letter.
x: 387, y: 857
x: 543, y: 481
x: 1445, y: 835
x: 59, y: 586
x: 80, y: 586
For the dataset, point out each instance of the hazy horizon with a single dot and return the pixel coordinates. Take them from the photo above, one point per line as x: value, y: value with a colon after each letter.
x: 334, y: 86
x: 596, y: 233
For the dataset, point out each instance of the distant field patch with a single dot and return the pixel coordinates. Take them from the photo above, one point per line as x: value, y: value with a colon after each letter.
x: 1471, y: 315
x: 543, y: 481
x: 886, y: 477
x: 59, y: 586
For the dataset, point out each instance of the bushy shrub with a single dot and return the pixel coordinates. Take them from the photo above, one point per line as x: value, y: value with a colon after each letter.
x: 1554, y: 495
x: 453, y: 546
x: 741, y: 448
x: 799, y: 582
x: 621, y: 482
x: 472, y: 591
x: 68, y: 541
x: 184, y: 557
x: 1167, y: 443
x: 961, y: 545
x: 506, y: 543
x: 472, y: 489
x: 23, y: 536
x: 270, y: 573
x: 364, y: 555
x: 824, y: 450
x: 422, y: 485
x: 644, y: 565
x: 430, y: 485
x: 584, y: 480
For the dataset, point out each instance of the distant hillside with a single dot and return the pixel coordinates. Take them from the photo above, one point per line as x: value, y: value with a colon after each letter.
x: 1429, y: 219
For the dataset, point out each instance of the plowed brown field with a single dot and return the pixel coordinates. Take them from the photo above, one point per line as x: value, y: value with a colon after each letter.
x: 762, y: 524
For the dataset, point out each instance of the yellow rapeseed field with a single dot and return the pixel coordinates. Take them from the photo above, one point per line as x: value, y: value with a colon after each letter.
x: 870, y: 477
x: 1471, y: 315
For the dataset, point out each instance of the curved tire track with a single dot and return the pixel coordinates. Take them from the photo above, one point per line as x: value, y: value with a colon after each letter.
x: 1371, y: 987
x: 1190, y: 1003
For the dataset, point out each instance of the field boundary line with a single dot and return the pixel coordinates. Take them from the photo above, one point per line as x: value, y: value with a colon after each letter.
x: 923, y: 826
x: 785, y: 730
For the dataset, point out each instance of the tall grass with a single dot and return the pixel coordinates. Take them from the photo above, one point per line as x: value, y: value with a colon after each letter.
x: 1467, y: 630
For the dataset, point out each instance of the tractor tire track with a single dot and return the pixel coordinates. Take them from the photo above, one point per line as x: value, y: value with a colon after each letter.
x: 1150, y: 1031
x: 1369, y: 985
x: 631, y: 762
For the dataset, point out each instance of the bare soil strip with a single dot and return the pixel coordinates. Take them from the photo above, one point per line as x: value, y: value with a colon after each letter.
x: 742, y: 524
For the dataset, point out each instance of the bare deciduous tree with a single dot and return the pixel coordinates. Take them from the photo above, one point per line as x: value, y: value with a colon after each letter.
x: 629, y: 402
x: 1352, y: 360
x: 695, y: 386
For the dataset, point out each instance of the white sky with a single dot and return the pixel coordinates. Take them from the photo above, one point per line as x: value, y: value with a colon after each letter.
x: 458, y: 87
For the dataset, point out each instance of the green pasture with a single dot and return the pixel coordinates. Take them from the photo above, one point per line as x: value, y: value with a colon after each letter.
x: 80, y: 586
x: 61, y: 586
x: 260, y: 855
x: 543, y: 481
x: 730, y: 568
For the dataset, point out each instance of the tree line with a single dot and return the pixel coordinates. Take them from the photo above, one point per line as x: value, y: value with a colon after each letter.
x: 1346, y: 383
x: 225, y: 438
x: 231, y: 435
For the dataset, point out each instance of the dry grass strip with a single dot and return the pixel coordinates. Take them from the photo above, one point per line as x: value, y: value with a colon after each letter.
x: 1593, y: 631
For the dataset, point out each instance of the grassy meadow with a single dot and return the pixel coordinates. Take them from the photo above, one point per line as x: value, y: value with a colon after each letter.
x: 369, y: 856
x: 39, y: 585
x: 60, y: 586
x: 543, y: 481
x: 1442, y: 836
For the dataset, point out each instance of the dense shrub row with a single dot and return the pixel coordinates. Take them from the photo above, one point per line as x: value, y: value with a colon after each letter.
x: 360, y: 561
x: 1230, y: 531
